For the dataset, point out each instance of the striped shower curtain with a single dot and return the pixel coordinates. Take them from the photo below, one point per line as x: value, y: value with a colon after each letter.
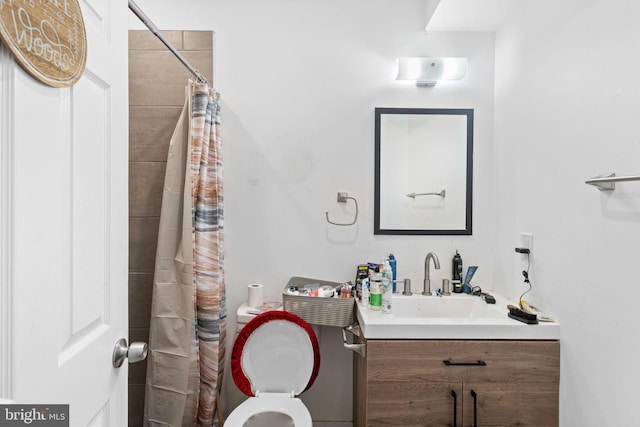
x: 188, y: 311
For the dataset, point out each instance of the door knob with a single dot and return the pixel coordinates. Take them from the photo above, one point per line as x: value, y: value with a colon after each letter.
x: 135, y: 352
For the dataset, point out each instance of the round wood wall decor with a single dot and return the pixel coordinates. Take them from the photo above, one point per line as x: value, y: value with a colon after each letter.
x: 47, y: 37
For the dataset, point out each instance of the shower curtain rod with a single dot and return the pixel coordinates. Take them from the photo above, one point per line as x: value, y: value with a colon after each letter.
x: 146, y: 21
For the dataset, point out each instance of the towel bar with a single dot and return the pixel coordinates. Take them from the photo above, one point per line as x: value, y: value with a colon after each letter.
x: 607, y: 182
x: 440, y: 193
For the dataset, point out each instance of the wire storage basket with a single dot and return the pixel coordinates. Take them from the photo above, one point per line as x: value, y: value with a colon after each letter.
x: 318, y: 310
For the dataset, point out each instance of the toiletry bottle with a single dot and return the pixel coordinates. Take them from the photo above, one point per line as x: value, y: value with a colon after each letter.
x: 387, y: 292
x: 365, y: 292
x: 456, y: 274
x: 392, y: 263
x: 361, y: 272
x: 375, y: 291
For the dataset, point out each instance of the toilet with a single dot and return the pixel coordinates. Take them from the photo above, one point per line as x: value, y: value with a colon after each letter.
x: 244, y: 315
x: 275, y: 358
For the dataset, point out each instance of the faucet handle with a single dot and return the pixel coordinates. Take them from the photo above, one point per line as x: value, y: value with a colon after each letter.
x: 407, y: 287
x: 446, y: 287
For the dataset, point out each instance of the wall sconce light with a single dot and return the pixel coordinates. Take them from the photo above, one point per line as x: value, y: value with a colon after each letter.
x: 428, y: 71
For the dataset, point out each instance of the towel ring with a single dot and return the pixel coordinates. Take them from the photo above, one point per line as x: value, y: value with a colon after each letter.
x: 342, y: 198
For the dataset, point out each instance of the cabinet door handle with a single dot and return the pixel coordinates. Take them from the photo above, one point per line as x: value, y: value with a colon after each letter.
x: 476, y: 363
x: 475, y: 408
x: 455, y: 408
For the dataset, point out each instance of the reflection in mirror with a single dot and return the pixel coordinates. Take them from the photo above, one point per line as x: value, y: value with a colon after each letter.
x: 423, y: 171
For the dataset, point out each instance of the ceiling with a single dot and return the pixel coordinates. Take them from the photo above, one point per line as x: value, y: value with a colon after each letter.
x: 469, y: 15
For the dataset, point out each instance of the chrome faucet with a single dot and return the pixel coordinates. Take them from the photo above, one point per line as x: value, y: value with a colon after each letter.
x: 427, y: 280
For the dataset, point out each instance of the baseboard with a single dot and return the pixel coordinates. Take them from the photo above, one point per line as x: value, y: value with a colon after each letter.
x: 332, y: 424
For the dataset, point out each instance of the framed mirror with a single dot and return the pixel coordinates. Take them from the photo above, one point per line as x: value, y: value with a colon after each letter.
x: 423, y: 171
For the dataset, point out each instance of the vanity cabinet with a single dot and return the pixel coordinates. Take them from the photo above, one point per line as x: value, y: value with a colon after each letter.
x: 474, y: 383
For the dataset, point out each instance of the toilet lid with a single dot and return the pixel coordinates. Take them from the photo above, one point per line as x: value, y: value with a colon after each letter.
x: 276, y: 352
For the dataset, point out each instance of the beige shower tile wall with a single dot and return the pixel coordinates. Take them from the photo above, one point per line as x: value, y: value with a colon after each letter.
x: 157, y: 82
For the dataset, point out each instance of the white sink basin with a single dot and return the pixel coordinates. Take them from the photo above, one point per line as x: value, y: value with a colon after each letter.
x: 455, y: 306
x: 459, y: 316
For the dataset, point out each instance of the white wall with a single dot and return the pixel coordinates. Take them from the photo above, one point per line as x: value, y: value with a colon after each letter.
x: 567, y: 95
x: 299, y: 81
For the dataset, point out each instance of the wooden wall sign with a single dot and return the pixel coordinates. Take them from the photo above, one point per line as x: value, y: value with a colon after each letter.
x: 47, y: 37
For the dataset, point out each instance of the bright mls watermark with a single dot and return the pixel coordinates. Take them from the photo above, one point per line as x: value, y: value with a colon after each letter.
x: 34, y: 415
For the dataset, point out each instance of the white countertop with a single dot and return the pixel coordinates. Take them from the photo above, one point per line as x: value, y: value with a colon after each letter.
x: 378, y: 325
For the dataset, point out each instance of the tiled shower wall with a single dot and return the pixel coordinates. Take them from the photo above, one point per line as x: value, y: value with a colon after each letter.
x: 157, y: 82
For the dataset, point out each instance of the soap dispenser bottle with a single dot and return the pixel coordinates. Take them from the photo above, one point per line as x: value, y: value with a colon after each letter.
x: 456, y: 274
x: 393, y: 264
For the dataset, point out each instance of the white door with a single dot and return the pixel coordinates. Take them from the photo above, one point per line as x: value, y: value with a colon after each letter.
x: 64, y: 228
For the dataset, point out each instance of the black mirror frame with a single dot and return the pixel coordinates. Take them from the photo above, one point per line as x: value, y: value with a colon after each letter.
x: 469, y: 178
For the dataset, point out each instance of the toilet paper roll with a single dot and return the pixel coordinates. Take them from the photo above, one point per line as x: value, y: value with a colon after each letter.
x: 255, y: 295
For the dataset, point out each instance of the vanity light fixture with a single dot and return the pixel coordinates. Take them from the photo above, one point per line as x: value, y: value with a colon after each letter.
x: 427, y: 72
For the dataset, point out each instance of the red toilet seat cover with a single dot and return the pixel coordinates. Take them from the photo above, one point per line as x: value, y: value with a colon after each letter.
x: 275, y: 352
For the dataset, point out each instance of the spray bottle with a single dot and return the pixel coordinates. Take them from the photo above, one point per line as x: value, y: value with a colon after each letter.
x: 365, y: 292
x: 387, y: 280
